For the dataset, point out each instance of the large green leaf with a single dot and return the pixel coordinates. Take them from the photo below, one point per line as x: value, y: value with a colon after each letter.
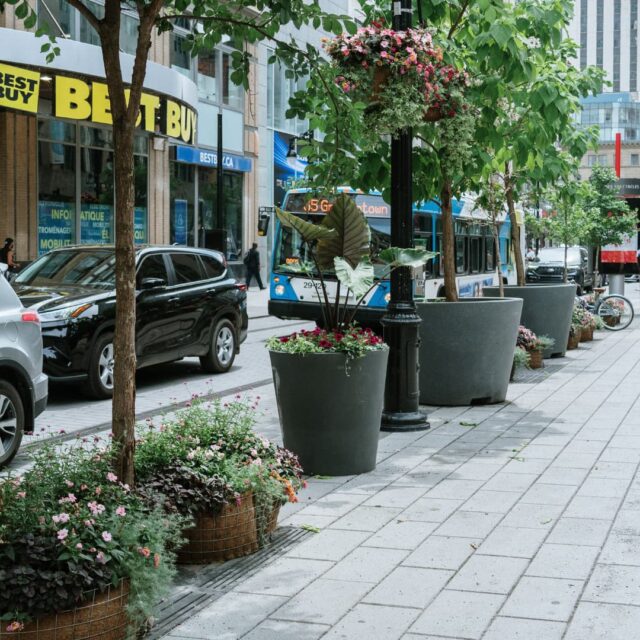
x: 359, y: 280
x: 397, y: 257
x: 307, y: 230
x: 351, y: 241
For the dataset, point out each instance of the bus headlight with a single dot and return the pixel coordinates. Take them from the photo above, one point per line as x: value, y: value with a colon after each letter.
x: 387, y: 297
x: 279, y: 290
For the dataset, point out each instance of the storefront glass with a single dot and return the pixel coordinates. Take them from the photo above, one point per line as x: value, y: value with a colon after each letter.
x: 183, y: 193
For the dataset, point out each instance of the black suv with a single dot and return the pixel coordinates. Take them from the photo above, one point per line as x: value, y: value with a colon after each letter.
x: 548, y: 266
x: 187, y: 305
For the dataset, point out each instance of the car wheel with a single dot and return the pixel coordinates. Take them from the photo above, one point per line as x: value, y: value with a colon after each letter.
x: 100, y: 380
x: 11, y: 422
x: 222, y: 350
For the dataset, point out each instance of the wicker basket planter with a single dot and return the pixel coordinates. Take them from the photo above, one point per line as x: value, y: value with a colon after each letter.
x: 574, y: 339
x: 586, y: 334
x: 535, y: 359
x: 232, y: 533
x: 101, y: 617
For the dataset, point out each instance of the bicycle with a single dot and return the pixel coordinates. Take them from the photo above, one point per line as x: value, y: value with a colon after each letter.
x: 615, y: 311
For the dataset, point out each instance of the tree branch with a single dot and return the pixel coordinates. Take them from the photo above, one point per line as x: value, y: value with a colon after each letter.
x: 456, y: 24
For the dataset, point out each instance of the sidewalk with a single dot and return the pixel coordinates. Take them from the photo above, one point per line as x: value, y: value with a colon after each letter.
x: 514, y: 521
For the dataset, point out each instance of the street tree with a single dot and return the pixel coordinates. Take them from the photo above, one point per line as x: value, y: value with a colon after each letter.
x: 244, y: 21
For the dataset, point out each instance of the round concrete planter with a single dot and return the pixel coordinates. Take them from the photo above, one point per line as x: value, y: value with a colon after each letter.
x: 466, y: 350
x: 546, y: 310
x: 330, y: 409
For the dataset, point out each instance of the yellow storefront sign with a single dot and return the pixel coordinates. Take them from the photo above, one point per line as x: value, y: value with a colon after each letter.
x: 80, y: 100
x: 19, y: 88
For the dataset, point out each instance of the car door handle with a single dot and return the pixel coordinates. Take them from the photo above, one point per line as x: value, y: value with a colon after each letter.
x: 173, y: 300
x: 211, y: 292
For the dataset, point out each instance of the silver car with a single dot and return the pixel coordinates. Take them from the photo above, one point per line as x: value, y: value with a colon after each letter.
x: 23, y: 386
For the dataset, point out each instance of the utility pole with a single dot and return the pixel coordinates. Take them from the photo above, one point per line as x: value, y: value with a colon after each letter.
x: 401, y: 323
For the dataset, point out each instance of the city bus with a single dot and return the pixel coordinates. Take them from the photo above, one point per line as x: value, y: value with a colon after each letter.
x: 293, y: 295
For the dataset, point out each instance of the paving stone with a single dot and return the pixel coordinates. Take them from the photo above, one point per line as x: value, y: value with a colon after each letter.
x: 543, y: 451
x: 621, y: 548
x: 627, y: 522
x: 285, y: 576
x: 443, y: 616
x: 232, y: 615
x: 523, y: 629
x: 592, y: 507
x: 454, y: 489
x: 395, y: 497
x: 489, y: 574
x: 573, y: 460
x: 604, y: 487
x: 372, y: 622
x: 367, y: 484
x: 431, y: 509
x: 409, y: 587
x: 329, y: 544
x: 532, y: 516
x: 615, y: 454
x: 596, y: 621
x: 323, y: 601
x: 476, y: 471
x: 556, y: 494
x: 366, y: 564
x: 521, y: 464
x: 463, y: 522
x: 581, y: 531
x: 517, y: 482
x: 543, y: 598
x: 297, y: 520
x: 286, y: 630
x: 438, y: 552
x: 563, y: 561
x: 518, y: 542
x: 401, y: 534
x: 364, y: 518
x: 604, y: 469
x: 614, y: 584
x: 491, y: 501
x: 335, y: 504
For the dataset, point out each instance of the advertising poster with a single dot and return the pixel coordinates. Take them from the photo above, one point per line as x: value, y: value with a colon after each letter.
x: 96, y: 223
x: 55, y: 225
x: 140, y: 225
x: 285, y: 170
x: 180, y: 221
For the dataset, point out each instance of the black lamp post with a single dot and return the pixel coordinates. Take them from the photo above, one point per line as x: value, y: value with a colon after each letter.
x: 401, y: 323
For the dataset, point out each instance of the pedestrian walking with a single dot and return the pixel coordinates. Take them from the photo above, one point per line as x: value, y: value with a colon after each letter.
x: 252, y: 264
x: 7, y: 257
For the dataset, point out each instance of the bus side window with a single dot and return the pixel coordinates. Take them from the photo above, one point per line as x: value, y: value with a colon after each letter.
x: 490, y: 250
x: 461, y: 247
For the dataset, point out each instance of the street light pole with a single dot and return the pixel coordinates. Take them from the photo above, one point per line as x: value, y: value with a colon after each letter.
x: 401, y: 323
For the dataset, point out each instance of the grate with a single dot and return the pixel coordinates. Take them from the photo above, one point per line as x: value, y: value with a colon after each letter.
x: 530, y: 376
x: 196, y: 586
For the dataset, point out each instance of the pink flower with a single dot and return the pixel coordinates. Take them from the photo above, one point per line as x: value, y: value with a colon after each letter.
x: 144, y: 551
x: 62, y: 517
x: 101, y: 558
x: 21, y: 494
x: 95, y: 508
x: 68, y: 483
x: 156, y: 560
x: 15, y: 626
x: 79, y: 545
x: 98, y: 490
x: 62, y: 534
x: 106, y: 536
x: 112, y: 477
x: 89, y: 523
x: 70, y: 497
x: 121, y: 511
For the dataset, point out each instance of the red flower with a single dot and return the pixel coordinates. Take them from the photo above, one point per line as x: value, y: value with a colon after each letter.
x: 284, y: 339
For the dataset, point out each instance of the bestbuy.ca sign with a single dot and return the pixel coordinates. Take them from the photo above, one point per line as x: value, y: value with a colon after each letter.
x: 77, y: 99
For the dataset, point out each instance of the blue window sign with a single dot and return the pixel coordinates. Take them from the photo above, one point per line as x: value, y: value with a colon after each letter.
x: 209, y: 158
x: 180, y: 221
x: 55, y: 225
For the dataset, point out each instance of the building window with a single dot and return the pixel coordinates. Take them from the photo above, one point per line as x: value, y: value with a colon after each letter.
x: 597, y: 160
x: 180, y: 58
x: 635, y: 160
x: 232, y: 94
x: 279, y: 91
x: 207, y: 76
x: 58, y: 16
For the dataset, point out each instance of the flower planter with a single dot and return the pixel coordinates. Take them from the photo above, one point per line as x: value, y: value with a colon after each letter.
x: 611, y: 321
x: 102, y: 616
x: 232, y: 533
x: 546, y: 310
x: 466, y: 350
x: 574, y: 339
x: 535, y: 359
x: 586, y: 334
x: 330, y: 408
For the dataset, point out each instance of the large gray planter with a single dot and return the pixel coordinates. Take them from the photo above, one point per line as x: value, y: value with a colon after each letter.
x: 330, y: 409
x: 547, y: 311
x: 466, y: 350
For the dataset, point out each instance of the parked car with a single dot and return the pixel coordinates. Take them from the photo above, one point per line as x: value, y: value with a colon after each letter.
x: 187, y: 305
x: 23, y: 385
x: 548, y: 266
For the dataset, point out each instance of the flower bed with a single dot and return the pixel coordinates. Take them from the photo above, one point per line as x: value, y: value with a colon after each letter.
x: 402, y: 73
x: 72, y: 536
x: 210, y: 466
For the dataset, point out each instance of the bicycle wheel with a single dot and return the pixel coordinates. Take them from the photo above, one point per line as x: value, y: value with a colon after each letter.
x: 616, y: 312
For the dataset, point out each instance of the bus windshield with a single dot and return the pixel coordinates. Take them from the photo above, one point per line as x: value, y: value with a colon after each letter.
x: 290, y: 250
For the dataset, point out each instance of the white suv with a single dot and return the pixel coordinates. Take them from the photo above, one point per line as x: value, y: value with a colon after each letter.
x: 23, y: 386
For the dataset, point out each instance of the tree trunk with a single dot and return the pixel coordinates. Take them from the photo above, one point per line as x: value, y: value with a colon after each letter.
x: 124, y: 115
x: 566, y: 250
x: 448, y: 249
x: 496, y: 240
x: 515, y: 230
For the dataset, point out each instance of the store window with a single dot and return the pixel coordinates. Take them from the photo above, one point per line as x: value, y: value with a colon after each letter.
x: 182, y: 189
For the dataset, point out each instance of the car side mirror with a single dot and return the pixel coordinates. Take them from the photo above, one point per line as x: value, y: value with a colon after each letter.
x: 152, y: 283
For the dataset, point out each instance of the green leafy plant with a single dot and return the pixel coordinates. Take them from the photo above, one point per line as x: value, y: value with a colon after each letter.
x: 340, y: 246
x: 355, y: 342
x: 69, y: 527
x: 521, y: 358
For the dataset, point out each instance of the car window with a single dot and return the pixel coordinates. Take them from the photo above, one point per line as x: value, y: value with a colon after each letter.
x: 152, y: 266
x: 187, y: 267
x: 212, y: 268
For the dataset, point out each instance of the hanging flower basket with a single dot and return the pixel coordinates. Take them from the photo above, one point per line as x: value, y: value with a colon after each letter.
x: 401, y: 74
x: 231, y: 533
x: 101, y: 616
